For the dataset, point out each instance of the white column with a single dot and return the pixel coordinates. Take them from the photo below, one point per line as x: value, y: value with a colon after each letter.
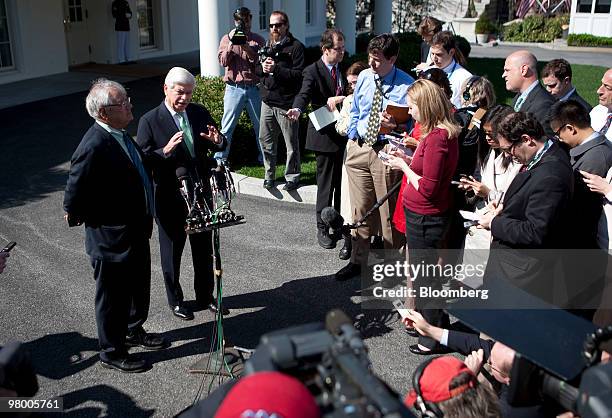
x: 214, y: 18
x: 382, y: 16
x: 296, y: 10
x: 345, y: 21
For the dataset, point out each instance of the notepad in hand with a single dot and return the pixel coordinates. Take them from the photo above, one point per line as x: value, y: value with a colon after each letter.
x: 400, y: 113
x: 322, y: 117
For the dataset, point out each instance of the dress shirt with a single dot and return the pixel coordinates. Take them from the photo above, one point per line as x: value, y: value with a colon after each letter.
x: 177, y: 119
x: 456, y: 77
x: 599, y: 114
x: 394, y: 86
x: 567, y: 96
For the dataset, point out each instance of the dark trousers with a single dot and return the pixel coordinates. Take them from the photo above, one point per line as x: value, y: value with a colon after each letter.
x: 122, y: 299
x: 329, y: 177
x: 172, y: 237
x: 424, y: 236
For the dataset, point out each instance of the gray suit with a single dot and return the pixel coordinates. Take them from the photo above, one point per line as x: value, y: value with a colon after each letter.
x: 538, y: 103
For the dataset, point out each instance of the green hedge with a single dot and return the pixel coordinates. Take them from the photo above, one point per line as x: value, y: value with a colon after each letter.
x: 536, y: 28
x: 584, y: 39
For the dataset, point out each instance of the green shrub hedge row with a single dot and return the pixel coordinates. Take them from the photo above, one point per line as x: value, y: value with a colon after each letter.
x: 584, y: 39
x: 536, y: 28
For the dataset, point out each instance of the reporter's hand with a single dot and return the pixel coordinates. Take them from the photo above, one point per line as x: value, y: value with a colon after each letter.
x: 596, y: 183
x: 418, y: 322
x: 332, y: 102
x: 479, y: 188
x: 387, y: 121
x: 294, y: 114
x: 475, y: 360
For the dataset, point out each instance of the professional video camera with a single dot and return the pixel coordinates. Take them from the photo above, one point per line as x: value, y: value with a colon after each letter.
x: 268, y: 51
x: 202, y: 216
x: 239, y: 37
x: 333, y: 363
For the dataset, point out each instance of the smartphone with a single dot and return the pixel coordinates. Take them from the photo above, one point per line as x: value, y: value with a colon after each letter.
x: 456, y: 183
x: 403, y: 312
x: 9, y: 247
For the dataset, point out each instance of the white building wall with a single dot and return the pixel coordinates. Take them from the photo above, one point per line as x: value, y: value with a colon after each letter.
x: 37, y: 39
x: 598, y: 24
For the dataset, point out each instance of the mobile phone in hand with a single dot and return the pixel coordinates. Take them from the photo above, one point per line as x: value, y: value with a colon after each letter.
x: 8, y: 247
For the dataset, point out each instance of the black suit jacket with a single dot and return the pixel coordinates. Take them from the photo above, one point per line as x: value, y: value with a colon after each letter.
x: 105, y: 191
x: 465, y: 343
x: 155, y: 129
x: 534, y: 218
x: 317, y: 87
x: 579, y: 99
x: 538, y: 103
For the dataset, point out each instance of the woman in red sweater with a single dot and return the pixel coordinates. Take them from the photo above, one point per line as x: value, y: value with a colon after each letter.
x: 427, y: 198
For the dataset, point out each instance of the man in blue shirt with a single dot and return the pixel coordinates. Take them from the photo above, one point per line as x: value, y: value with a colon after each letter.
x: 368, y: 177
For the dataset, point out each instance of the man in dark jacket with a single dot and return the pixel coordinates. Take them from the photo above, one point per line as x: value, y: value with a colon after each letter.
x: 557, y: 79
x: 324, y: 86
x: 122, y: 14
x: 280, y: 72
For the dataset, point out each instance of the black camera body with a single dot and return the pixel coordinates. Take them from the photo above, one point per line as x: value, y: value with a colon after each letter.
x: 268, y: 51
x: 239, y: 37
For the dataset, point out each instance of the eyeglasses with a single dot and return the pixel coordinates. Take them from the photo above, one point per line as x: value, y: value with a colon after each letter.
x: 503, y: 374
x: 122, y: 104
x: 558, y: 132
x: 276, y: 25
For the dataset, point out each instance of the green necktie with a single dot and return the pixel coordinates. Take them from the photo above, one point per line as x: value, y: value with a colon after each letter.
x: 519, y: 103
x: 187, y: 137
x: 371, y: 135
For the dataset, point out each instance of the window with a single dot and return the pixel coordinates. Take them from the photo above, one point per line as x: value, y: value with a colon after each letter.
x: 264, y: 13
x: 146, y: 29
x: 6, y: 52
x: 602, y: 6
x: 584, y: 6
x: 308, y: 12
x: 75, y: 10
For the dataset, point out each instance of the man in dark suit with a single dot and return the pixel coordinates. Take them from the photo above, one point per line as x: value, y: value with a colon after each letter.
x: 521, y: 76
x: 109, y: 190
x: 557, y: 79
x: 324, y: 85
x: 181, y: 133
x: 534, y: 211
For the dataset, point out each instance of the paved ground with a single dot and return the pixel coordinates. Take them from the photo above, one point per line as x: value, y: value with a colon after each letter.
x: 275, y: 276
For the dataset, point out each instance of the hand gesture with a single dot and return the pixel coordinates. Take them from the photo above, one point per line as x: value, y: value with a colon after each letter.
x: 213, y: 135
x: 293, y: 114
x: 176, y: 139
x: 596, y: 184
x: 475, y: 360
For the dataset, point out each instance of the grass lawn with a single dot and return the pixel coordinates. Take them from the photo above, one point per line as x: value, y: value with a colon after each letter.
x: 586, y: 79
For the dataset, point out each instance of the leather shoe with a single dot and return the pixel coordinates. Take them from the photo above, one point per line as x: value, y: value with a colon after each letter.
x: 291, y: 185
x: 125, y: 365
x: 182, y: 312
x: 347, y: 272
x: 140, y: 338
x: 440, y: 349
x: 268, y: 184
x: 325, y: 240
x: 212, y: 306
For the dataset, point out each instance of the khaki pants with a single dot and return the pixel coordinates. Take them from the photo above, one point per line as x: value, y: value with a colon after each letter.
x: 369, y: 180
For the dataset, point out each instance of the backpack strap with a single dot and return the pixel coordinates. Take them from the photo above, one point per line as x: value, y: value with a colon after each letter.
x: 475, y: 121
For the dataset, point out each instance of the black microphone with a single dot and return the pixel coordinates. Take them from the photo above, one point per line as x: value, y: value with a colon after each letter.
x: 335, y: 221
x: 185, y: 179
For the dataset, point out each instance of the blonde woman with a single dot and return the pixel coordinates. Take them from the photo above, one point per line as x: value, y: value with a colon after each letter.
x: 427, y: 199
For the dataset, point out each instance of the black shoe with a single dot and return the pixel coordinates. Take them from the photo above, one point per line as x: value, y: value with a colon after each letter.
x: 291, y: 185
x: 212, y: 306
x: 268, y: 184
x: 412, y: 332
x: 182, y: 312
x: 440, y: 349
x: 125, y: 365
x: 325, y: 240
x: 347, y: 272
x: 140, y: 338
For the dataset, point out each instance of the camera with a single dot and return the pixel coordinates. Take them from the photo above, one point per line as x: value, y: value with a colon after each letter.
x: 268, y: 51
x: 239, y: 37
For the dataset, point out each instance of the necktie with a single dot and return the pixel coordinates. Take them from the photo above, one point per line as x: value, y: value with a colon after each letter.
x: 186, y: 133
x: 518, y: 104
x: 135, y: 157
x: 606, y: 126
x: 334, y: 76
x: 371, y: 135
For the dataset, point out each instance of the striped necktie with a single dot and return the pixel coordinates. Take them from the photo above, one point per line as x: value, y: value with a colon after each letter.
x: 604, y: 129
x: 146, y: 181
x: 519, y: 103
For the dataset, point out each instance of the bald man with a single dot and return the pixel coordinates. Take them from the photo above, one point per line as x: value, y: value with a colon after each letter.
x: 601, y: 115
x: 521, y: 76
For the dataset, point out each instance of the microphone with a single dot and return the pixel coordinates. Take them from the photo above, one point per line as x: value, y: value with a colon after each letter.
x: 335, y: 221
x: 186, y: 191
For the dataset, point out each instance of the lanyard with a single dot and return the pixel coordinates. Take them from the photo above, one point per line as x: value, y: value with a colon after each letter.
x: 539, y: 155
x: 452, y: 70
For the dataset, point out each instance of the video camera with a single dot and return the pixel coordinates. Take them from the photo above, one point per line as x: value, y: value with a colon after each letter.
x: 333, y: 363
x: 239, y: 37
x: 268, y: 51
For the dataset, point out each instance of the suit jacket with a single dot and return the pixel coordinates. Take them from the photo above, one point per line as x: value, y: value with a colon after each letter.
x: 579, y: 99
x: 105, y: 191
x: 465, y: 343
x: 317, y: 87
x: 538, y: 103
x: 534, y: 217
x: 155, y: 129
x: 120, y: 9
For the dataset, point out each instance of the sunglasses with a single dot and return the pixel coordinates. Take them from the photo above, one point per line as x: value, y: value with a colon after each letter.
x: 276, y: 25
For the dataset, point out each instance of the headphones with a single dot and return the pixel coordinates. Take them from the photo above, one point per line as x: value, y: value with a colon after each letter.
x: 425, y: 408
x: 466, y: 92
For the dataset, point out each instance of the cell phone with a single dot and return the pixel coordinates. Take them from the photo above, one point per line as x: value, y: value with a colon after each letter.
x: 383, y: 155
x: 401, y: 310
x: 9, y: 247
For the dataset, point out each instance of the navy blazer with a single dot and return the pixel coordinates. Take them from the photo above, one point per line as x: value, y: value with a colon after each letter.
x: 105, y: 191
x: 538, y: 103
x: 579, y: 99
x: 317, y: 87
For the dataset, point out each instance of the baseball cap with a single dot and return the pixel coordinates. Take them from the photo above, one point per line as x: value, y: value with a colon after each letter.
x: 270, y: 394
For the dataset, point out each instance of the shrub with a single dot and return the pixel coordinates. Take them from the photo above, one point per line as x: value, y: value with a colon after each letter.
x: 584, y: 39
x: 484, y: 25
x: 536, y: 28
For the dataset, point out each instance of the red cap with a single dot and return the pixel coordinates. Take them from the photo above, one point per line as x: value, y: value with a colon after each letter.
x: 270, y: 393
x: 436, y: 378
